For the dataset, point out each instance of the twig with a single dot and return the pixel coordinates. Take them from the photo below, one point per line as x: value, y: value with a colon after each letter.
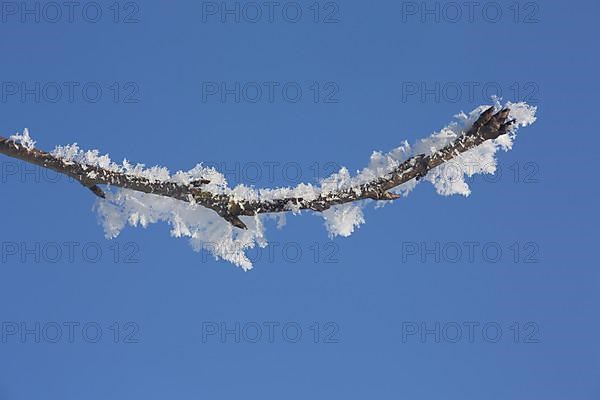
x: 488, y: 126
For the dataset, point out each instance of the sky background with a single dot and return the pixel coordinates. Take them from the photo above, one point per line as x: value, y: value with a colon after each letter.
x: 369, y: 297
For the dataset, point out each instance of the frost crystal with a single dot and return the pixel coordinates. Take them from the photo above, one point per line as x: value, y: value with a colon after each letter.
x: 23, y: 139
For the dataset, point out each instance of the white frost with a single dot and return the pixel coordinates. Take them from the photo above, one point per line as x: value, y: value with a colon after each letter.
x: 341, y: 220
x: 23, y: 139
x: 207, y: 231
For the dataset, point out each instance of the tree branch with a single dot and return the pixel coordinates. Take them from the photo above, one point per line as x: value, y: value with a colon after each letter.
x: 488, y: 126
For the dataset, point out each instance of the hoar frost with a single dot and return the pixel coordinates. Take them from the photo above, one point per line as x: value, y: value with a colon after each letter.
x: 208, y: 231
x: 23, y: 139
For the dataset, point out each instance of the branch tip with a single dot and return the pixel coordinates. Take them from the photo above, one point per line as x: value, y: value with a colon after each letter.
x: 199, y: 182
x: 235, y: 221
x: 97, y: 191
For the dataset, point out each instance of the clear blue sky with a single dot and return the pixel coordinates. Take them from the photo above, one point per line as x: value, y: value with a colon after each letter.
x: 368, y: 293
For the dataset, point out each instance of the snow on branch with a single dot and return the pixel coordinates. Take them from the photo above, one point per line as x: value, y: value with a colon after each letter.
x: 199, y: 204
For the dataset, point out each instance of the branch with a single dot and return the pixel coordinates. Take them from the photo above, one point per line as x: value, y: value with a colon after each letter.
x: 488, y: 126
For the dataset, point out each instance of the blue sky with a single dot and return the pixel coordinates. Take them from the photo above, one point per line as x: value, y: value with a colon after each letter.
x: 370, y: 297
